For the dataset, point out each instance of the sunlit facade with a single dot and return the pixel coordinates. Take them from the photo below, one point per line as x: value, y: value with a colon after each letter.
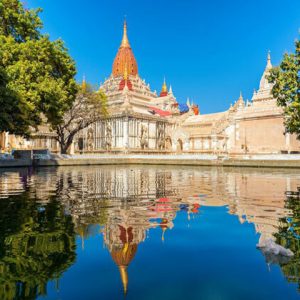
x: 144, y: 121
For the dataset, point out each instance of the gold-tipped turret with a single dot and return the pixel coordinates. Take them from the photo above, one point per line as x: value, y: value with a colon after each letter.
x: 125, y: 58
x: 164, y: 89
x: 125, y: 41
x: 83, y: 84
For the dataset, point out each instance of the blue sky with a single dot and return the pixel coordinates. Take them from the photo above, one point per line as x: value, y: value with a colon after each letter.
x: 208, y: 50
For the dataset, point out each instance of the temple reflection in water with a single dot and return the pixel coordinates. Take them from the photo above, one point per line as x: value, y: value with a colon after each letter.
x: 128, y: 201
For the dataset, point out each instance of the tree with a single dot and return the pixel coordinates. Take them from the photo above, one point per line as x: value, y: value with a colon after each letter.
x: 288, y: 236
x: 88, y: 108
x: 286, y: 89
x: 13, y: 115
x: 36, y: 74
x: 37, y: 244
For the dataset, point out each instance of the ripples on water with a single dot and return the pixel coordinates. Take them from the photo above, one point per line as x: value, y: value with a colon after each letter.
x: 66, y: 233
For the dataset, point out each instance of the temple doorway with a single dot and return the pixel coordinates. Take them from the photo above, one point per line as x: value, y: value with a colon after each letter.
x: 80, y: 145
x: 179, y: 146
x: 168, y: 143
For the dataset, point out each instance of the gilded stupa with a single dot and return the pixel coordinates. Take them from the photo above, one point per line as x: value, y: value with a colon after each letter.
x: 125, y: 61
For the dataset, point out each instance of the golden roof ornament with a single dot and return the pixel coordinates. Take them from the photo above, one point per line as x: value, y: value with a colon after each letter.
x: 83, y: 85
x: 124, y: 57
x: 164, y: 87
x: 125, y: 41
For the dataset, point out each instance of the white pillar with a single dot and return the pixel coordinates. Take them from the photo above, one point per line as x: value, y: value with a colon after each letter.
x: 126, y: 134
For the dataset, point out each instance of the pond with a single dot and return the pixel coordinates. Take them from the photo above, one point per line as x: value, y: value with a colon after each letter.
x: 148, y: 232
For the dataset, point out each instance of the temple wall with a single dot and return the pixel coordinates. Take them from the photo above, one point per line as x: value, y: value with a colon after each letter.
x: 122, y: 133
x: 262, y: 135
x: 293, y: 142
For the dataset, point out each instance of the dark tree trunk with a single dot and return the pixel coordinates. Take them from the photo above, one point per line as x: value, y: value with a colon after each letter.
x: 65, y: 144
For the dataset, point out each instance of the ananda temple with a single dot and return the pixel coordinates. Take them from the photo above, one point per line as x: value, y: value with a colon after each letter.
x: 142, y: 120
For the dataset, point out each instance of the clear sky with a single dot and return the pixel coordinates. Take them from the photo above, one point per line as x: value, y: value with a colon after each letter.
x: 209, y: 50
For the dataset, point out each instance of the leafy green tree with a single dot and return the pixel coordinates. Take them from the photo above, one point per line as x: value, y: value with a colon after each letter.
x: 18, y: 22
x: 37, y: 244
x: 36, y: 74
x: 286, y: 89
x: 88, y: 107
x: 13, y: 114
x: 289, y: 237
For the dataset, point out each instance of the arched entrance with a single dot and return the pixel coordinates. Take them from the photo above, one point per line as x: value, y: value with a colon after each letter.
x: 179, y: 146
x: 80, y: 144
x: 168, y: 143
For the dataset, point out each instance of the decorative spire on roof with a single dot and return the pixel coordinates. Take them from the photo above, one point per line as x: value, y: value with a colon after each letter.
x: 170, y: 90
x: 239, y: 104
x: 83, y: 84
x: 241, y: 97
x: 188, y: 102
x: 265, y: 87
x: 269, y: 64
x: 124, y: 58
x: 125, y: 41
x: 164, y: 89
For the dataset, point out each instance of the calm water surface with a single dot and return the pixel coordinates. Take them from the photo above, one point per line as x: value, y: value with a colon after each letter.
x: 137, y: 232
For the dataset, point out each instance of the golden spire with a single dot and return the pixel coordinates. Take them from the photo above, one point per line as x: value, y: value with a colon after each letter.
x: 83, y: 85
x: 124, y: 278
x: 124, y: 56
x: 164, y: 87
x: 125, y: 42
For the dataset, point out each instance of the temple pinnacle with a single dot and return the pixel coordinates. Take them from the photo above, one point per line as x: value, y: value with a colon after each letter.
x: 164, y: 87
x: 83, y: 85
x: 125, y: 41
x: 241, y: 96
x: 269, y: 64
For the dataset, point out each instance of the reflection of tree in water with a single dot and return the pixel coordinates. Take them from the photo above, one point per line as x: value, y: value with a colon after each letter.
x: 37, y: 244
x: 289, y: 237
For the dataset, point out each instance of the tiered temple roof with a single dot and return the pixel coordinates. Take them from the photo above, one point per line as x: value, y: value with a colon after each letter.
x: 126, y: 90
x: 265, y: 88
x: 125, y: 58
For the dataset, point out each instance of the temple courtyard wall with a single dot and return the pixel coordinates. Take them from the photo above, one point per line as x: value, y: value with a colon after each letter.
x: 259, y: 161
x: 263, y: 135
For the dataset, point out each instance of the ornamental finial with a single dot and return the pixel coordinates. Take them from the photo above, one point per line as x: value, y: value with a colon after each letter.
x: 164, y: 87
x: 83, y: 84
x: 125, y: 42
x: 269, y: 64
